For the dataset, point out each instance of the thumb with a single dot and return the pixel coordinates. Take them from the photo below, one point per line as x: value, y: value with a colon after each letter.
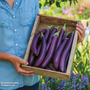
x: 24, y: 62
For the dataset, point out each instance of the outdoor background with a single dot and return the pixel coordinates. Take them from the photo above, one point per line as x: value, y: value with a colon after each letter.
x: 80, y: 75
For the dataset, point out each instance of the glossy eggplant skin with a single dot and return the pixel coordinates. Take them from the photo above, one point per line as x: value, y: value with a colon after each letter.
x: 50, y: 38
x: 50, y: 52
x: 35, y: 43
x: 60, y: 38
x: 66, y: 62
x: 46, y: 35
x: 38, y: 49
x: 47, y: 32
x: 31, y: 60
x: 40, y: 59
x: 65, y: 52
x: 32, y: 55
x: 43, y: 31
x: 58, y: 53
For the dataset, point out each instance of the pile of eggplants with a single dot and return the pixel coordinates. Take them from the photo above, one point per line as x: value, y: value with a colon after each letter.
x: 51, y: 45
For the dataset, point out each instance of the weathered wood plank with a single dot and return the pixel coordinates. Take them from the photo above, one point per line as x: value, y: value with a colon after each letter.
x: 48, y: 73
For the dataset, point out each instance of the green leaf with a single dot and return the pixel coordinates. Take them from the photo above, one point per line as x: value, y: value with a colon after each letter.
x: 40, y: 5
x: 46, y: 4
x: 57, y: 3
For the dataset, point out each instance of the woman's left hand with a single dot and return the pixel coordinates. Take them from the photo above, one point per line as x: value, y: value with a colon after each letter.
x: 81, y: 31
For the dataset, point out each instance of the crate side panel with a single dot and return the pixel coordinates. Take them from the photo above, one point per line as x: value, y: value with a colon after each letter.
x: 58, y: 21
x: 72, y: 53
x: 48, y: 73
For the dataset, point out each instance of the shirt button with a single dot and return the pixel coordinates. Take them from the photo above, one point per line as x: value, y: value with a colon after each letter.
x: 15, y: 30
x: 16, y: 44
x: 14, y: 16
x: 16, y: 3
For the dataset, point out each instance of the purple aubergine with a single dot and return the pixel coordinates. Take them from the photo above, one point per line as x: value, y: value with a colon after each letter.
x: 66, y: 35
x: 43, y: 31
x: 60, y: 36
x: 34, y: 44
x: 50, y: 37
x: 65, y: 52
x: 40, y: 59
x: 48, y: 68
x: 39, y: 47
x: 66, y: 62
x: 58, y: 53
x: 51, y: 50
x: 31, y: 59
x: 47, y: 32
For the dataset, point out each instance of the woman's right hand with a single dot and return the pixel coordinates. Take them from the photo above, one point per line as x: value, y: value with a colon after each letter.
x: 16, y: 61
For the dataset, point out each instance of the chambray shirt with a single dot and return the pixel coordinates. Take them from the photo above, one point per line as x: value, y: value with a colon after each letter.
x: 15, y: 29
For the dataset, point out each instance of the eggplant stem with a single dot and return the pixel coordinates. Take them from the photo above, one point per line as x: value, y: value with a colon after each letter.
x: 42, y: 34
x: 69, y: 32
x: 57, y: 33
x: 49, y: 27
x: 64, y: 27
x: 57, y: 27
x: 67, y: 38
x: 73, y: 32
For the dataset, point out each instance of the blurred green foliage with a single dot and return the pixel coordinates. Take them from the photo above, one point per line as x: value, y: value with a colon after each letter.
x: 57, y: 2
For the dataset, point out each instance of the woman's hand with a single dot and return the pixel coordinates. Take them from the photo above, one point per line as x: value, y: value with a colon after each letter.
x: 16, y: 61
x: 81, y: 31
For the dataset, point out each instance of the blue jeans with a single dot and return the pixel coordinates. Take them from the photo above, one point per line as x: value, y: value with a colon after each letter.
x: 34, y: 87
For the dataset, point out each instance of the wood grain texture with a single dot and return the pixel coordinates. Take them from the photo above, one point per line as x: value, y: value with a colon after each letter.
x: 85, y: 23
x: 57, y: 20
x: 41, y: 22
x: 48, y: 73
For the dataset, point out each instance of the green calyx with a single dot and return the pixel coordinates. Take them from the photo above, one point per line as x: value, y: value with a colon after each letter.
x: 73, y: 32
x: 64, y: 27
x: 49, y: 27
x: 67, y: 38
x: 57, y: 33
x: 42, y: 34
x: 69, y: 33
x: 57, y: 27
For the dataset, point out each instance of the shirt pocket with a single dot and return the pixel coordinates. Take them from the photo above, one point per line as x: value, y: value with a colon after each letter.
x: 3, y: 20
x: 26, y: 17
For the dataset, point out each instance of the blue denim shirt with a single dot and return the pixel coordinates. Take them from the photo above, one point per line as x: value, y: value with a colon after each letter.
x: 15, y: 29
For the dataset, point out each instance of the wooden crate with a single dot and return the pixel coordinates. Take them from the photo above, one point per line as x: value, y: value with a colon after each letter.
x: 85, y: 23
x: 42, y: 21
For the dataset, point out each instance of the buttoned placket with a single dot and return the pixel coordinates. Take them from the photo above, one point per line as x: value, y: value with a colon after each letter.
x: 15, y: 31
